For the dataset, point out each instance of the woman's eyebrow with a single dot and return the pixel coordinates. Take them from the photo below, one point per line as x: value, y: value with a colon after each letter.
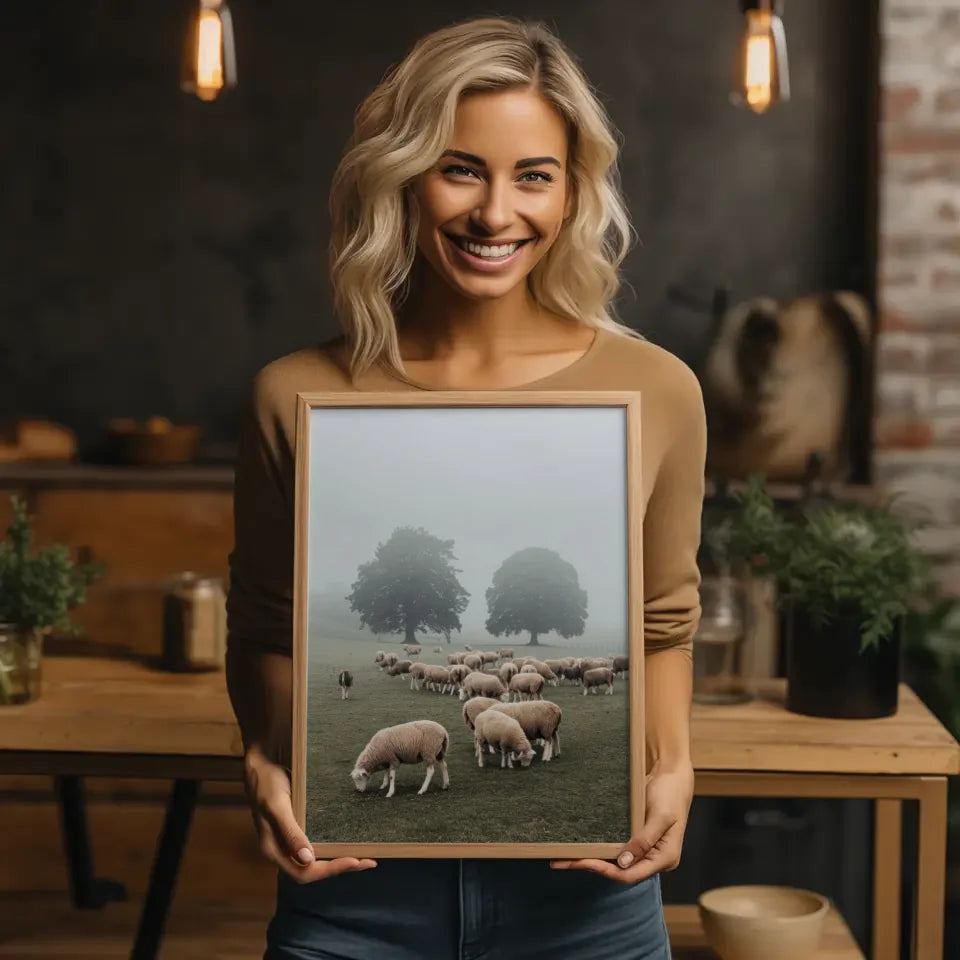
x: 519, y: 165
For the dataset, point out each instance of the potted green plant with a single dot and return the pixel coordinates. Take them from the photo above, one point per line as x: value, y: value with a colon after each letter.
x: 38, y: 589
x: 846, y: 575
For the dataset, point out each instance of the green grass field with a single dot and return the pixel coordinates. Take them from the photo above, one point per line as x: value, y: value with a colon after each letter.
x: 582, y: 796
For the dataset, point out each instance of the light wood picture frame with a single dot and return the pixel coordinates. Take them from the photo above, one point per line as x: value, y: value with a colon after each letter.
x: 411, y: 508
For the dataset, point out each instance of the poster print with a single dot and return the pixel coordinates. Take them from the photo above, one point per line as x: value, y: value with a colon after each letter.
x: 468, y: 669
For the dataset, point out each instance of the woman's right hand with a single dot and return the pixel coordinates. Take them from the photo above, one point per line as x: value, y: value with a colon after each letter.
x: 281, y: 839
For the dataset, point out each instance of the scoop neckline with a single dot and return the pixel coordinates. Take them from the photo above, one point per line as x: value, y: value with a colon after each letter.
x: 585, y: 357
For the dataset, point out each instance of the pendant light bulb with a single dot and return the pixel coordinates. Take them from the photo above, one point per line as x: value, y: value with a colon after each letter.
x: 762, y: 76
x: 210, y: 60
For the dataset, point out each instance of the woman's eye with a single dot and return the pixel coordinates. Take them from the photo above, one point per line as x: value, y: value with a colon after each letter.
x: 541, y: 176
x: 458, y: 169
x: 530, y: 176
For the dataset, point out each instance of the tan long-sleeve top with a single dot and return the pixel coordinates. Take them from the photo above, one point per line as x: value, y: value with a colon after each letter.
x: 673, y: 449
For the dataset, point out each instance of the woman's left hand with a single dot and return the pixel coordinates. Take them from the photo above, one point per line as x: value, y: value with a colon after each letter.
x: 669, y: 795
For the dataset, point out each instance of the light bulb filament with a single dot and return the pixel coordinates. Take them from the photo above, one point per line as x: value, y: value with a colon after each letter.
x: 209, y: 55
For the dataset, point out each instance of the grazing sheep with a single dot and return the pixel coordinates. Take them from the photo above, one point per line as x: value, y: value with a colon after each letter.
x: 489, y: 656
x: 473, y: 660
x: 413, y: 742
x: 379, y: 657
x: 621, y: 665
x: 477, y: 684
x: 528, y: 668
x: 598, y: 677
x: 526, y: 685
x: 416, y: 675
x: 539, y: 720
x: 467, y: 647
x: 411, y: 649
x: 472, y: 708
x: 592, y: 663
x: 505, y: 652
x: 437, y: 676
x: 542, y: 669
x: 400, y: 666
x: 438, y: 649
x: 388, y: 661
x: 490, y: 727
x: 345, y: 680
x: 507, y: 672
x: 459, y: 673
x: 453, y: 659
x: 555, y: 665
x: 573, y: 673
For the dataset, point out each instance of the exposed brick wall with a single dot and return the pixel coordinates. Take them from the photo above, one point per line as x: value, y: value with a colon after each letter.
x: 917, y: 427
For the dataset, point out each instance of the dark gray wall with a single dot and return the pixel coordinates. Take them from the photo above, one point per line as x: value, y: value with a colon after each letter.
x: 155, y: 250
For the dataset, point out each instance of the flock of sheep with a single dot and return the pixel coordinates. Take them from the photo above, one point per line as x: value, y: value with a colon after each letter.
x: 503, y: 707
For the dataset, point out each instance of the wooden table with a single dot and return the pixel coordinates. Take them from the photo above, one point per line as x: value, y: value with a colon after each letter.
x: 119, y: 718
x: 759, y: 749
x: 100, y: 717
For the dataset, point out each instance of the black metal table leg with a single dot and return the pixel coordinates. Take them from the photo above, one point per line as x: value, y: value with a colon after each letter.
x: 163, y: 876
x: 87, y: 891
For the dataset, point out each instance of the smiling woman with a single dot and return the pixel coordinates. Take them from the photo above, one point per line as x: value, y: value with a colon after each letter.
x: 487, y: 135
x: 477, y: 230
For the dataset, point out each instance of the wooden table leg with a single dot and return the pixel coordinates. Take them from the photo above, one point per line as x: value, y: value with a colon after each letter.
x: 929, y: 901
x: 166, y: 864
x: 88, y: 892
x: 887, y: 854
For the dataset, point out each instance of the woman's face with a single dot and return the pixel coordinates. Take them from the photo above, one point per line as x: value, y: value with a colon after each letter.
x: 495, y: 201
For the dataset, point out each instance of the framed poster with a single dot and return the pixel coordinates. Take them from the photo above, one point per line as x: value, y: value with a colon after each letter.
x: 468, y: 624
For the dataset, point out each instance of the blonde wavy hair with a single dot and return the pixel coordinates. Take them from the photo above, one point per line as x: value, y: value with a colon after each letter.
x: 400, y: 131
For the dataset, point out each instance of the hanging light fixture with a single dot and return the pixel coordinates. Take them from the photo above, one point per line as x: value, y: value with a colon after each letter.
x: 762, y: 77
x: 210, y: 59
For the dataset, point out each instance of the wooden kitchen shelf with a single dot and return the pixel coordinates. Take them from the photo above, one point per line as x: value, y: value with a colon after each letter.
x: 687, y: 941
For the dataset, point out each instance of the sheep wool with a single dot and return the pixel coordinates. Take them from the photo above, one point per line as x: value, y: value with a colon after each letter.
x: 417, y: 741
x: 478, y: 684
x: 475, y: 706
x: 526, y: 685
x: 500, y: 731
x: 539, y: 720
x: 598, y: 677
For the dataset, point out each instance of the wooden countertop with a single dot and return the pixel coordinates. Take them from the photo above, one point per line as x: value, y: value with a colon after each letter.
x: 762, y: 735
x: 93, y: 708
x: 90, y: 475
x: 220, y: 476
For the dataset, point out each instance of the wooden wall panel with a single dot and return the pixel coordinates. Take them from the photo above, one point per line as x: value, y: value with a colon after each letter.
x: 143, y: 537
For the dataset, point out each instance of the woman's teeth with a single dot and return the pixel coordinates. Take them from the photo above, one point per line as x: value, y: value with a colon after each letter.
x: 488, y: 252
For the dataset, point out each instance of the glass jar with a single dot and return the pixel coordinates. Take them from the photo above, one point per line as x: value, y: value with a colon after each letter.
x: 20, y: 656
x: 719, y: 674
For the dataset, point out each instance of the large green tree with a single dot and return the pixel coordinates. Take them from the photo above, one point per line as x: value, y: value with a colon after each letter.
x: 536, y: 590
x: 411, y: 584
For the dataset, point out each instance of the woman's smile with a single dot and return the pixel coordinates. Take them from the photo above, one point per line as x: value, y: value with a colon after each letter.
x: 486, y: 255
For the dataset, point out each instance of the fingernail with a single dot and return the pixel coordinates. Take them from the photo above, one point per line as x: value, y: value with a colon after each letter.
x: 625, y: 858
x: 305, y: 855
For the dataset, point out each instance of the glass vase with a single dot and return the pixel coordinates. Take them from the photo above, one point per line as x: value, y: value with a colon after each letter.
x: 20, y: 658
x: 719, y: 671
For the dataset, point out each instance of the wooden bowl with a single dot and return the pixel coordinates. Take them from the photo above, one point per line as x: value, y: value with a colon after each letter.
x: 760, y: 922
x: 154, y: 441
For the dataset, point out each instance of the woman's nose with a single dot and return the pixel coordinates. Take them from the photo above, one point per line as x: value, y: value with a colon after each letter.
x: 494, y: 213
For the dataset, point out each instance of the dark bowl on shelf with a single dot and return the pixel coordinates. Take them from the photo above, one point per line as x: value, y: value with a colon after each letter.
x: 153, y: 442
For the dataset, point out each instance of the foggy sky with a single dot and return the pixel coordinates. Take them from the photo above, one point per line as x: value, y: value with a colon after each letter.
x: 494, y: 480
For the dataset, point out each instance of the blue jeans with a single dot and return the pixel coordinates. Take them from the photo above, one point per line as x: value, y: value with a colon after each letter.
x: 467, y: 910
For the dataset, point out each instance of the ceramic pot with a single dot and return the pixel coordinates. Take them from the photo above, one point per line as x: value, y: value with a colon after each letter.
x: 828, y: 675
